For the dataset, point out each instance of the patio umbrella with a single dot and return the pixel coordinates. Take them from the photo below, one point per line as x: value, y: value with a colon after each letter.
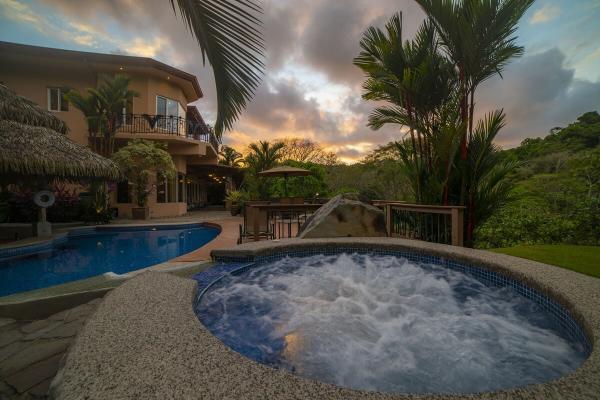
x: 285, y: 171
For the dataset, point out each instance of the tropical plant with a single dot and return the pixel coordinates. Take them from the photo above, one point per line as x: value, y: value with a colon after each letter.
x: 103, y: 109
x: 263, y: 155
x: 430, y: 83
x: 556, y: 197
x: 310, y: 186
x: 419, y: 83
x: 238, y: 199
x: 229, y: 35
x: 139, y: 161
x: 230, y: 157
x: 487, y: 188
x: 478, y: 38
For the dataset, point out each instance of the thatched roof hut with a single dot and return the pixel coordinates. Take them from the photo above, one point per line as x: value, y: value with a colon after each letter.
x: 33, y: 150
x: 33, y: 143
x: 20, y: 109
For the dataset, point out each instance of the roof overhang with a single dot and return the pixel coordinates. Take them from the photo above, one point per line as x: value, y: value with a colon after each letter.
x: 109, y: 62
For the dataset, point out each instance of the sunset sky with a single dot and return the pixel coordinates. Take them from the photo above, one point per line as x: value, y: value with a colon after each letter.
x: 311, y: 89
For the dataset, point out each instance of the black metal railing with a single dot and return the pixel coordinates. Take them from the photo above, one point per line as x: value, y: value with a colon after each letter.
x: 274, y: 221
x: 167, y: 125
x: 438, y: 224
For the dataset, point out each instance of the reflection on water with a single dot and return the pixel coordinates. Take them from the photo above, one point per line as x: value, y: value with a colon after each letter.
x: 119, y: 251
x: 385, y: 323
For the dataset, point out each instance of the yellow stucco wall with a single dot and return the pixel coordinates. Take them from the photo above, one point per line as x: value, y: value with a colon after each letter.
x: 31, y: 78
x: 32, y: 81
x: 166, y: 89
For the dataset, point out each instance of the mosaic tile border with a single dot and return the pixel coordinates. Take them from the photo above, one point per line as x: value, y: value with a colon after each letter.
x: 235, y: 265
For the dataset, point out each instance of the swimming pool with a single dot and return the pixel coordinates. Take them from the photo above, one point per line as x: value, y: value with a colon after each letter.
x: 88, y: 252
x: 389, y: 321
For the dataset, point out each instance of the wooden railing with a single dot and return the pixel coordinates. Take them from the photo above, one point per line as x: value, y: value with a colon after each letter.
x: 439, y: 224
x: 284, y: 220
x: 264, y: 220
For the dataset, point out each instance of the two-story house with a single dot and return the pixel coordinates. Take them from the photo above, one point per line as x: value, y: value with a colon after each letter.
x: 161, y: 112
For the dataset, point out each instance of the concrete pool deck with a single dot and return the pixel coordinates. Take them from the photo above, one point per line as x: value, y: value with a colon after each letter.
x: 145, y: 341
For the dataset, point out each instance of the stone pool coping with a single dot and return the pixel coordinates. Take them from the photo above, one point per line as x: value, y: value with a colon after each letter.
x: 145, y: 341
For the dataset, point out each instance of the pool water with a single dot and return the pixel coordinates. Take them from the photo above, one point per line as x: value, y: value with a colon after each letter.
x: 96, y: 251
x: 384, y: 323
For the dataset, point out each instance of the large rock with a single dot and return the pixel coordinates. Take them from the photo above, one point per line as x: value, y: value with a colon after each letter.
x: 344, y: 215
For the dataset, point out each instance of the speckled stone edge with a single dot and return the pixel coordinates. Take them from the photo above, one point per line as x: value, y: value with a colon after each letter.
x: 144, y: 341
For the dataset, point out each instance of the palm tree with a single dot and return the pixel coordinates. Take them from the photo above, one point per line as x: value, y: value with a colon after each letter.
x: 426, y: 96
x: 230, y: 157
x: 420, y: 84
x: 88, y: 104
x: 103, y: 108
x: 487, y: 188
x: 263, y: 155
x: 113, y: 95
x: 229, y: 35
x: 477, y: 36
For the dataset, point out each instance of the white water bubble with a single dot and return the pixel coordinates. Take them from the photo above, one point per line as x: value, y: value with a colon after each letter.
x: 388, y: 324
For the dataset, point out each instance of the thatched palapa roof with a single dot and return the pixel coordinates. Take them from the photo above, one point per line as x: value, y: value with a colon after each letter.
x: 33, y: 143
x: 33, y: 150
x: 20, y: 109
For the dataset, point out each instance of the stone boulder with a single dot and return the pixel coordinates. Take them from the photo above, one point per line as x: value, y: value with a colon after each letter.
x: 342, y: 216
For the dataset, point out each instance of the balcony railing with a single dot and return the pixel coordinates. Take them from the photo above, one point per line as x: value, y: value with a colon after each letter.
x: 167, y: 125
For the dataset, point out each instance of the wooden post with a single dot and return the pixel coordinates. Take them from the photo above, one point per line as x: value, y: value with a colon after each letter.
x: 457, y: 226
x: 388, y: 219
x: 256, y: 224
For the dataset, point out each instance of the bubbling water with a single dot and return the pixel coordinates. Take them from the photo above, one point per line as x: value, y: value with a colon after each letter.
x: 387, y: 324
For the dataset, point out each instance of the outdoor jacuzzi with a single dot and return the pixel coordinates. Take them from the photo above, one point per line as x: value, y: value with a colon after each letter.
x: 389, y: 320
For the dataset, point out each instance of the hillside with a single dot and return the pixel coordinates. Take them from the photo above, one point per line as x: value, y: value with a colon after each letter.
x: 556, y: 197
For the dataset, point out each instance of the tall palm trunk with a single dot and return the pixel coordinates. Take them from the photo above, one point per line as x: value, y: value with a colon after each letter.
x: 471, y: 112
x: 463, y: 113
x: 470, y: 221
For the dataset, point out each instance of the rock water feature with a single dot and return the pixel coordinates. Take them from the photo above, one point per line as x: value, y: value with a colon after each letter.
x: 344, y: 216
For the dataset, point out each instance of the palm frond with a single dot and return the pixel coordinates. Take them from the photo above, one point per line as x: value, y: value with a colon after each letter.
x: 230, y: 37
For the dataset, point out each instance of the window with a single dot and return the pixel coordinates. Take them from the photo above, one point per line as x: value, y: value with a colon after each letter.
x: 172, y: 189
x: 123, y: 193
x: 161, y: 189
x: 181, y: 197
x: 169, y: 110
x: 161, y: 105
x: 128, y: 112
x: 167, y: 107
x: 56, y: 100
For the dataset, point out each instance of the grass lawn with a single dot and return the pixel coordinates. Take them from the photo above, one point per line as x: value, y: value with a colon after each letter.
x: 584, y: 259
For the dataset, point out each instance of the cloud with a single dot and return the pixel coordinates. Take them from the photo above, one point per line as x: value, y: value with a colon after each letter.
x: 331, y: 39
x: 538, y: 92
x: 545, y: 14
x: 311, y: 89
x: 146, y: 48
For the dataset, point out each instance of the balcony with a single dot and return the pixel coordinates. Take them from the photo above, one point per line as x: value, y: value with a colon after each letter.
x: 168, y: 125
